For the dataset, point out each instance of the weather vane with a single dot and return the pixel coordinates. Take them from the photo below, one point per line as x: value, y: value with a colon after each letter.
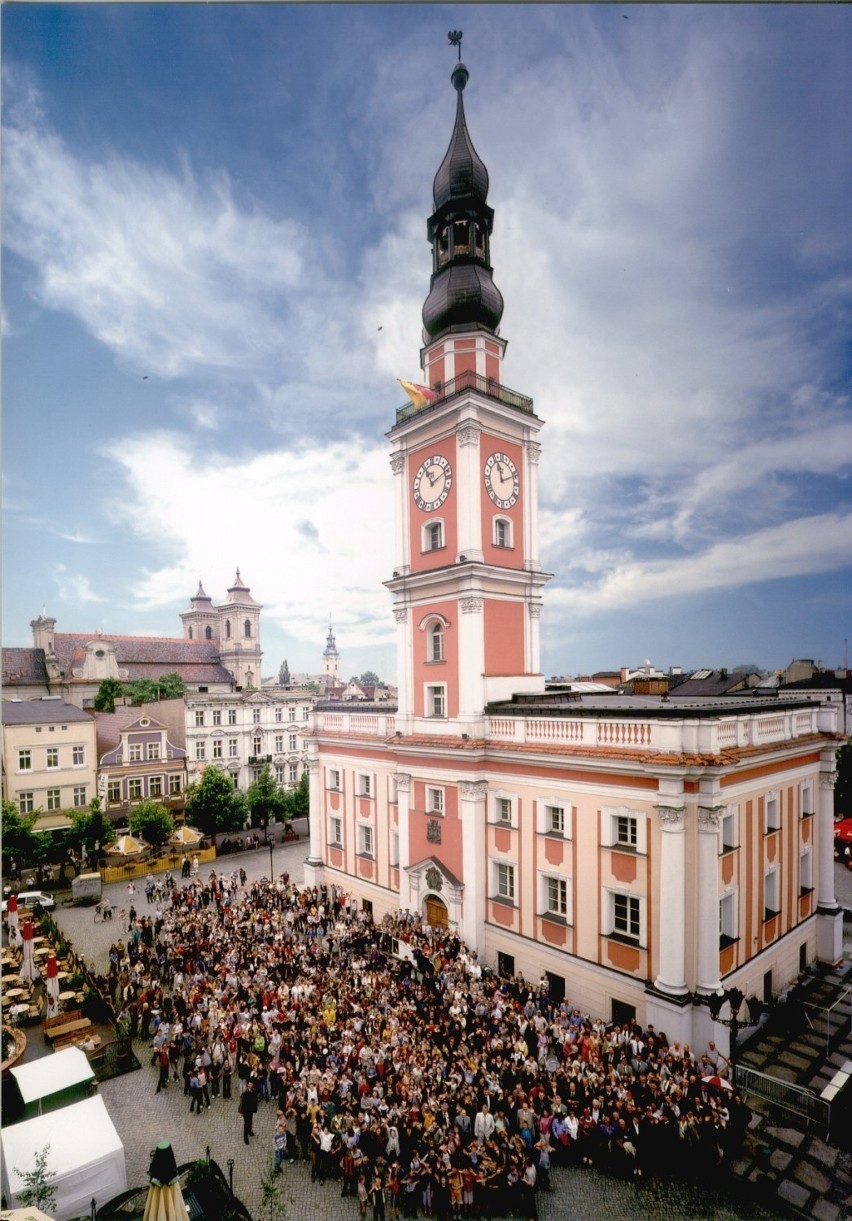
x: 455, y: 37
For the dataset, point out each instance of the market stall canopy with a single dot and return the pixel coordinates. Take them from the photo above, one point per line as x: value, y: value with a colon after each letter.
x: 186, y: 837
x: 52, y: 1074
x: 127, y: 845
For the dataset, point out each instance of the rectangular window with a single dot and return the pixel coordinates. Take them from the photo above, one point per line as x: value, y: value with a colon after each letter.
x: 365, y: 840
x: 200, y: 750
x: 434, y: 801
x: 78, y: 756
x: 153, y: 750
x: 155, y: 786
x: 293, y: 772
x: 626, y: 915
x: 305, y: 712
x: 806, y: 799
x: 505, y: 881
x: 436, y: 701
x: 25, y: 761
x: 174, y: 786
x: 25, y: 803
x: 255, y: 716
x: 114, y: 791
x: 770, y: 894
x: 217, y: 716
x: 503, y: 809
x: 291, y: 714
x: 772, y: 813
x: 335, y: 830
x: 217, y: 748
x: 554, y: 820
x: 79, y: 796
x: 393, y: 848
x: 279, y: 714
x: 53, y: 756
x: 280, y: 774
x: 134, y: 788
x: 434, y: 536
x: 728, y: 830
x: 232, y: 716
x: 556, y: 897
x: 365, y: 785
x: 806, y: 871
x: 294, y: 741
x: 333, y: 778
x: 134, y: 752
x: 256, y: 746
x: 199, y: 717
x: 727, y: 919
x: 626, y: 831
x: 233, y: 748
x: 53, y: 799
x: 279, y: 743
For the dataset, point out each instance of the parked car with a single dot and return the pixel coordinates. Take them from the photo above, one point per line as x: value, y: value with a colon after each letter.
x: 843, y: 841
x: 32, y: 898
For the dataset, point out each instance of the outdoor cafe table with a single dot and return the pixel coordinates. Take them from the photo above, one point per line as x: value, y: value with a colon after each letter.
x: 67, y: 996
x: 13, y: 992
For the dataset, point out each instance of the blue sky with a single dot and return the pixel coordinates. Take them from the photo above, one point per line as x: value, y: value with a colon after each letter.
x: 213, y: 268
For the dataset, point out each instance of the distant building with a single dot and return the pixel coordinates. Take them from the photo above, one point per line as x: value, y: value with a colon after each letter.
x: 49, y: 755
x: 138, y: 762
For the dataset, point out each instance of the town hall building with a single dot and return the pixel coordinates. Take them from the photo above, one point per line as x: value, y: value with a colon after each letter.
x: 640, y: 852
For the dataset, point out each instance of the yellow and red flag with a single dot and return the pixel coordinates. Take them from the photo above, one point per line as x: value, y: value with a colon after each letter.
x: 419, y: 395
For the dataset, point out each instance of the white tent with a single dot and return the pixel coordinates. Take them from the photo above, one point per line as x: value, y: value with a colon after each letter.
x: 85, y: 1160
x: 52, y: 1074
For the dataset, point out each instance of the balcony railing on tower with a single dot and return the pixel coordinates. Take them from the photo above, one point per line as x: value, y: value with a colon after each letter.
x: 469, y: 381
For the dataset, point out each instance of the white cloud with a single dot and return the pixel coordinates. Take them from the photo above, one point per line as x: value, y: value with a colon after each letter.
x: 75, y: 589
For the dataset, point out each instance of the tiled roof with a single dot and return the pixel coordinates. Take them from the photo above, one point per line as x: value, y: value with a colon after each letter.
x: 24, y: 666
x: 196, y: 661
x: 41, y: 712
x: 168, y: 714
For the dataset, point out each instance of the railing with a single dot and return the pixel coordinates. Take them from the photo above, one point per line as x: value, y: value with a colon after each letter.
x: 793, y: 1098
x: 127, y: 870
x: 469, y: 381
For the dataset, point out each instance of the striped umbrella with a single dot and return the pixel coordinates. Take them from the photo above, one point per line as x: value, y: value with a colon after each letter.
x: 29, y: 971
x: 12, y: 913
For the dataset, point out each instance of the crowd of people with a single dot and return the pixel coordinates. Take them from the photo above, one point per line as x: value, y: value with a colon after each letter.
x: 392, y: 1062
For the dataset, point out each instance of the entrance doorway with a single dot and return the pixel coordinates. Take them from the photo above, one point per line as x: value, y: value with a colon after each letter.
x: 436, y: 912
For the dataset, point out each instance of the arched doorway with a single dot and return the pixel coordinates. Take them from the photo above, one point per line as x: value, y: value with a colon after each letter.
x: 436, y: 912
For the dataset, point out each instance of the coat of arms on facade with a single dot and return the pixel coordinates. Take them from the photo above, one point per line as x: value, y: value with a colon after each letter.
x: 433, y: 831
x: 433, y: 878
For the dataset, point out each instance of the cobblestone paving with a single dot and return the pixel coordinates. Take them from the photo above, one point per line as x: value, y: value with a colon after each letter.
x: 143, y: 1117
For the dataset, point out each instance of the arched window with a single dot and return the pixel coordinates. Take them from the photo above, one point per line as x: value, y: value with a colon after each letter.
x: 247, y: 628
x: 436, y: 642
x: 208, y: 632
x: 190, y: 633
x: 502, y: 532
x: 433, y: 536
x: 227, y: 629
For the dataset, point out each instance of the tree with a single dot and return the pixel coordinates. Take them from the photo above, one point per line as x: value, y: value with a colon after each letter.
x: 152, y: 822
x: 109, y: 691
x: 90, y: 827
x: 39, y: 1191
x: 148, y: 690
x: 297, y: 799
x: 266, y: 799
x: 843, y: 785
x: 18, y: 839
x: 369, y: 679
x: 212, y: 805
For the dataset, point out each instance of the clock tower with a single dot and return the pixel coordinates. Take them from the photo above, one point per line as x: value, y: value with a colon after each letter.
x: 467, y: 579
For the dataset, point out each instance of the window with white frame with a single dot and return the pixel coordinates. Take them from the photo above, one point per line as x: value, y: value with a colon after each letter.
x: 217, y: 748
x: 279, y: 714
x: 293, y: 740
x: 281, y: 774
x: 335, y: 830
x: 217, y: 716
x: 293, y: 770
x: 503, y: 809
x: 504, y: 881
x: 555, y: 896
x: 806, y: 870
x: 114, y: 791
x: 25, y: 761
x: 153, y: 750
x: 771, y: 894
x: 393, y: 848
x: 728, y: 919
x: 291, y: 714
x: 434, y: 800
x: 624, y: 829
x: 279, y: 743
x: 806, y: 799
x: 625, y: 912
x: 134, y: 788
x: 435, y: 637
x: 134, y: 752
x: 200, y: 750
x: 233, y: 748
x: 54, y: 799
x: 53, y: 756
x: 772, y: 813
x: 433, y: 535
x: 79, y: 796
x: 174, y: 786
x: 78, y: 756
x: 365, y: 839
x: 232, y: 716
x: 257, y: 745
x: 333, y: 775
x: 364, y: 786
x: 25, y: 803
x: 436, y: 700
x: 155, y: 786
x: 556, y: 821
x: 255, y: 716
x: 728, y: 828
x: 199, y: 717
x: 305, y: 712
x: 393, y: 791
x: 502, y: 532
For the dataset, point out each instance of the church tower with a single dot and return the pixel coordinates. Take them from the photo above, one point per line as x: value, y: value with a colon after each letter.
x: 331, y: 658
x: 467, y: 578
x: 239, y: 634
x: 201, y: 621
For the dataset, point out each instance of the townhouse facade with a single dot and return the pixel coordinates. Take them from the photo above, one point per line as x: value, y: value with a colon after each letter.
x: 49, y: 756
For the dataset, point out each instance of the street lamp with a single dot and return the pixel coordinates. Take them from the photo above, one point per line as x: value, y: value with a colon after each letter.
x: 734, y: 997
x: 271, y: 842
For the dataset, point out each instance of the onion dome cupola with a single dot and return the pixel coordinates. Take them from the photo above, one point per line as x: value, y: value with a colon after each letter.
x: 462, y: 292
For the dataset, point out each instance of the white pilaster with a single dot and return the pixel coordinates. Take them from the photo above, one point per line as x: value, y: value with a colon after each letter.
x: 671, y: 978
x: 829, y: 914
x: 403, y: 787
x: 707, y: 914
x: 468, y: 491
x: 314, y: 808
x: 471, y: 635
x: 473, y: 796
x: 532, y: 457
x: 404, y: 668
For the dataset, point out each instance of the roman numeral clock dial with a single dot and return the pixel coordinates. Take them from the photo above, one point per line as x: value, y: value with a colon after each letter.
x: 501, y: 480
x: 432, y: 483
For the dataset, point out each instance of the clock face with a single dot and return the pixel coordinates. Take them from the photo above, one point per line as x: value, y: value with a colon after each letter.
x: 432, y: 483
x: 502, y: 482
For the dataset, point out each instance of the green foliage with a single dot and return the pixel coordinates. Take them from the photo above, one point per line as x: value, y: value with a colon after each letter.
x: 272, y: 1206
x: 298, y: 801
x: 266, y: 800
x: 369, y: 679
x: 109, y: 691
x: 149, y: 690
x: 843, y: 785
x: 212, y: 804
x: 38, y: 1191
x: 90, y: 827
x: 18, y: 839
x: 152, y: 822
